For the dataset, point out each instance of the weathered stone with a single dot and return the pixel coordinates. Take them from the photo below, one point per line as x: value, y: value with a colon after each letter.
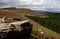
x: 13, y: 34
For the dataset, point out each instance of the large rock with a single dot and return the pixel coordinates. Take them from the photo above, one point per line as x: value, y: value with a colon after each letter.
x: 23, y: 34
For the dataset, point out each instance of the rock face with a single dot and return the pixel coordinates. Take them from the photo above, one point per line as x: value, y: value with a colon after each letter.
x: 23, y: 34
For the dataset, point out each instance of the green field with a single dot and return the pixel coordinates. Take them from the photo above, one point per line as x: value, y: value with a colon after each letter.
x: 52, y: 22
x: 47, y: 24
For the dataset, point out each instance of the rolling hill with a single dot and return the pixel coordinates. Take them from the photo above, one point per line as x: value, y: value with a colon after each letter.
x: 21, y: 13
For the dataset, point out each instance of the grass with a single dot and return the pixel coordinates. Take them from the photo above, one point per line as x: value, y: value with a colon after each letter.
x: 39, y: 27
x: 22, y: 14
x: 47, y: 30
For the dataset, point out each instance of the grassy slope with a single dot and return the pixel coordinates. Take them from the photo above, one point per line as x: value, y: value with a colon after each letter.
x: 47, y: 30
x: 40, y: 26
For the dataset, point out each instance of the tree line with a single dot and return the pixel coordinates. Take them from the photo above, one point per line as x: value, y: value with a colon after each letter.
x: 52, y: 22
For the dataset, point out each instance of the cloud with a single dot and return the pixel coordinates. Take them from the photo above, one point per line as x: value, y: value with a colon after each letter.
x: 8, y: 3
x: 41, y: 4
x: 46, y: 5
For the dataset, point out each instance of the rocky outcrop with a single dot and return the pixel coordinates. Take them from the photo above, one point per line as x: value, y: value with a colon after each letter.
x: 23, y: 34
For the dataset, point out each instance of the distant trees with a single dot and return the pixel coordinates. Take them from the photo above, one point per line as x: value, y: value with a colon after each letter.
x: 53, y: 22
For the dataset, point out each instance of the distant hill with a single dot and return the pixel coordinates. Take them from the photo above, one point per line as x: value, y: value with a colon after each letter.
x: 13, y: 10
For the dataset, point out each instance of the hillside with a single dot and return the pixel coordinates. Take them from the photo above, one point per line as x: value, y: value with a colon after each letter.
x: 10, y: 13
x: 21, y: 13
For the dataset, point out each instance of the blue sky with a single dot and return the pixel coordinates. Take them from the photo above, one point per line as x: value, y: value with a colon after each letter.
x: 44, y: 5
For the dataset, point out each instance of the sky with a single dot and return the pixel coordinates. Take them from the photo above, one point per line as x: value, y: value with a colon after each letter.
x: 42, y: 5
